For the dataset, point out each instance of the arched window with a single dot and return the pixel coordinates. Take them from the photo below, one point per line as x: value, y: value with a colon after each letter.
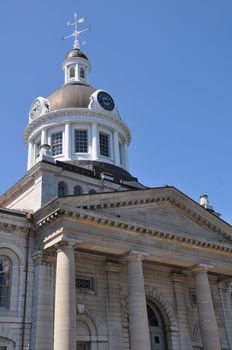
x: 5, y: 277
x: 77, y: 190
x: 82, y: 73
x: 157, y: 329
x: 62, y: 189
x: 92, y: 191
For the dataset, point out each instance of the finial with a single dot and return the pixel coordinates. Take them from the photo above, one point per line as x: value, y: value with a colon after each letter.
x: 76, y: 32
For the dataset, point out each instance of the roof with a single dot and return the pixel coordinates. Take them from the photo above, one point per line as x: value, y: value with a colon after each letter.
x: 76, y: 53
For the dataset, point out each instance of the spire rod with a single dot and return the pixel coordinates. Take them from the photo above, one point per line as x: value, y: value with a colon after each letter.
x: 76, y: 33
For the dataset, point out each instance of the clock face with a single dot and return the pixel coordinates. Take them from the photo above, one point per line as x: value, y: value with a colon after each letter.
x: 35, y: 109
x: 105, y: 100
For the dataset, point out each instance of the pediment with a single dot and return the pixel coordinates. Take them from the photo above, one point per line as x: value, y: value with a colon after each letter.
x: 162, y: 209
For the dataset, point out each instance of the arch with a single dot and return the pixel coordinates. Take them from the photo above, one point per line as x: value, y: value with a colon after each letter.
x: 157, y: 329
x: 77, y: 190
x: 92, y: 191
x: 13, y: 252
x: 7, y: 342
x: 62, y: 189
x: 158, y: 300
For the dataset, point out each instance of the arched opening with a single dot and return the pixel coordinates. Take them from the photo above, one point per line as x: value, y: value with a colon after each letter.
x: 156, y: 328
x: 77, y: 190
x: 5, y: 279
x: 62, y: 189
x: 92, y: 191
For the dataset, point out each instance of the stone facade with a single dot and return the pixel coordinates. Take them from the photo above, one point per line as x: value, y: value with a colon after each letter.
x: 136, y: 269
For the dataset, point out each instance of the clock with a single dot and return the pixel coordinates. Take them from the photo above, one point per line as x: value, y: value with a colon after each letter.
x: 105, y: 101
x: 35, y: 109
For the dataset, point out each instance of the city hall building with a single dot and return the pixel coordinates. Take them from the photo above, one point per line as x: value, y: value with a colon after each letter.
x: 91, y: 259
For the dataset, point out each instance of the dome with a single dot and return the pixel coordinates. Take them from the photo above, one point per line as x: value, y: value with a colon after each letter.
x: 76, y: 53
x: 70, y: 96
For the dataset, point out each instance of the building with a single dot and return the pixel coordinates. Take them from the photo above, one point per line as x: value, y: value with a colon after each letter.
x: 90, y: 259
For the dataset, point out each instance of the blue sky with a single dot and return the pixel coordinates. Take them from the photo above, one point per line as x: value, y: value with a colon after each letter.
x: 168, y: 64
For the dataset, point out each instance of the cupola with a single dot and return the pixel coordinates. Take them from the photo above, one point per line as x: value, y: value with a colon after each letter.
x: 77, y: 123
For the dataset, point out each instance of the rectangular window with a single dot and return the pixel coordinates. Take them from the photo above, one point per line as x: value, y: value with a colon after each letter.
x: 104, y: 145
x: 85, y: 284
x: 37, y: 151
x: 57, y: 144
x: 81, y: 141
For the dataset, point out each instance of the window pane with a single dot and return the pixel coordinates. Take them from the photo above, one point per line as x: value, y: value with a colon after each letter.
x: 57, y: 144
x: 82, y: 73
x: 72, y: 72
x: 121, y: 153
x: 104, y: 145
x: 5, y: 271
x: 81, y: 141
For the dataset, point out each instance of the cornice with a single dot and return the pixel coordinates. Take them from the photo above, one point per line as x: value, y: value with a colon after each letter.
x: 71, y: 112
x: 110, y: 221
x: 197, y: 214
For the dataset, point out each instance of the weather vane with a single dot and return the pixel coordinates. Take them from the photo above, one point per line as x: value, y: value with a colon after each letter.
x: 76, y: 32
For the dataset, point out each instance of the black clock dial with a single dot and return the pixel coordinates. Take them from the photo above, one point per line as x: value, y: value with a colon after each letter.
x: 105, y: 100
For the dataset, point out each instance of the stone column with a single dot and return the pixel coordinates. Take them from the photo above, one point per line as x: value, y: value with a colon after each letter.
x: 43, y: 296
x: 94, y: 141
x: 65, y: 299
x: 207, y: 318
x: 114, y: 306
x: 67, y: 141
x: 116, y: 149
x: 179, y: 293
x: 137, y: 308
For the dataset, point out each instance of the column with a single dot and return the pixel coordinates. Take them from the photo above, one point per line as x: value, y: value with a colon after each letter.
x: 65, y: 299
x: 114, y: 306
x: 179, y: 293
x: 116, y: 149
x: 43, y: 296
x: 30, y: 155
x: 44, y: 138
x: 94, y: 141
x: 207, y: 318
x: 137, y: 308
x: 67, y: 142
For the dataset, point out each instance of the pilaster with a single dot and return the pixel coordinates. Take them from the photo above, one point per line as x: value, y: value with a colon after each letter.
x: 114, y: 306
x: 179, y: 293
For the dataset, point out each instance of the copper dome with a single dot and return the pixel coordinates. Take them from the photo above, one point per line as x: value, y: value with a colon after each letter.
x: 70, y: 96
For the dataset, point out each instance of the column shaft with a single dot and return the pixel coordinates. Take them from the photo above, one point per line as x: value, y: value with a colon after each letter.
x: 30, y: 155
x: 207, y: 318
x: 138, y: 321
x: 44, y: 138
x: 67, y: 141
x: 65, y: 303
x: 116, y: 149
x: 94, y: 141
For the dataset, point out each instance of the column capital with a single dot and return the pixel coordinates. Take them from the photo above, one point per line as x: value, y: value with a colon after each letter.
x: 66, y: 244
x: 200, y: 268
x: 135, y: 255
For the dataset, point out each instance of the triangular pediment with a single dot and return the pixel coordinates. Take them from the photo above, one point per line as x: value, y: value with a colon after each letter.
x: 162, y: 209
